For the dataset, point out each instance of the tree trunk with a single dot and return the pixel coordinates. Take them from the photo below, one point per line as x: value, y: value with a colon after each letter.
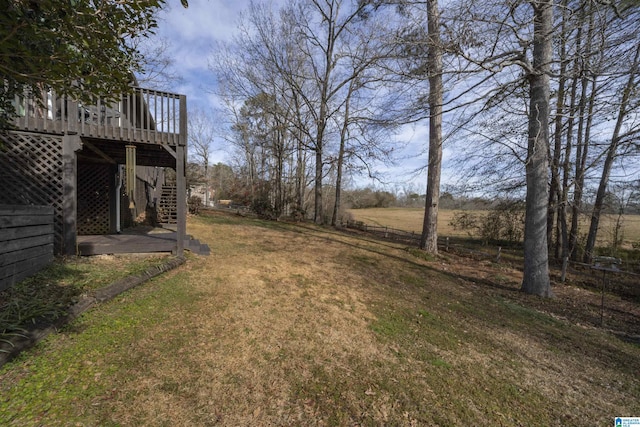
x: 566, y: 167
x: 343, y: 140
x: 206, y: 182
x: 318, y: 216
x: 608, y: 162
x: 536, y: 256
x: 582, y: 141
x: 337, y: 203
x: 554, y: 188
x: 300, y: 178
x: 278, y: 180
x: 429, y: 237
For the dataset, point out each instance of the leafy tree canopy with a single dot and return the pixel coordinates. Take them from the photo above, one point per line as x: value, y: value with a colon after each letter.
x: 80, y: 48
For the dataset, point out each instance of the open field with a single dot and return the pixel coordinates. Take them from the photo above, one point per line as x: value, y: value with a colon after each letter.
x: 291, y: 324
x: 410, y: 219
x: 407, y: 219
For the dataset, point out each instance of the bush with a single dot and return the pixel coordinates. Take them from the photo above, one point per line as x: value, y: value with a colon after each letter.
x: 298, y: 213
x: 262, y: 206
x: 466, y: 221
x: 194, y: 203
x: 368, y: 198
x: 504, y: 223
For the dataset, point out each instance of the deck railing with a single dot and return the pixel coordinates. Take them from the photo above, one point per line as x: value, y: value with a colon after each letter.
x: 143, y: 115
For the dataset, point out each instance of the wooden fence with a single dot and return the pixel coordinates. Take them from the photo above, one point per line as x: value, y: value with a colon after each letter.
x: 386, y: 232
x: 413, y: 239
x: 26, y: 241
x: 628, y: 268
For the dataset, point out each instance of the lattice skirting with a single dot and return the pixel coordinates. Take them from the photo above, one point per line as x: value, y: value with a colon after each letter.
x: 31, y: 173
x: 94, y: 189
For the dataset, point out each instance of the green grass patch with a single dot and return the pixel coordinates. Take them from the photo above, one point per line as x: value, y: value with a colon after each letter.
x: 439, y: 363
x: 419, y: 253
x: 74, y: 369
x: 46, y: 296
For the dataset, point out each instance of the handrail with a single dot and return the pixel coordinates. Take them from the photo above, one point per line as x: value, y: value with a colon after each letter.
x: 142, y: 115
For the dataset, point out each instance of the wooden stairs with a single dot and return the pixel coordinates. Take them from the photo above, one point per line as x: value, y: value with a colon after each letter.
x: 168, y: 215
x: 196, y: 247
x: 167, y: 208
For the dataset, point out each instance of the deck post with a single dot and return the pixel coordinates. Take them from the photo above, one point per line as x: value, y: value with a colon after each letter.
x: 72, y: 115
x: 181, y: 182
x: 130, y: 165
x: 114, y: 199
x: 70, y: 144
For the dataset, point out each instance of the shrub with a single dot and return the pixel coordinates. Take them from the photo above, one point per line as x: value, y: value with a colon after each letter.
x: 466, y: 221
x: 262, y: 206
x: 504, y: 223
x: 194, y: 203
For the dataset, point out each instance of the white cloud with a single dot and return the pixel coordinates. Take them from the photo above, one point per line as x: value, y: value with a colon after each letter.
x: 193, y: 33
x: 203, y: 22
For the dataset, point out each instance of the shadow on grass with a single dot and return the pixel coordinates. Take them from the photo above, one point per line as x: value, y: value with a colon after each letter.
x: 626, y: 324
x: 39, y: 300
x: 384, y: 244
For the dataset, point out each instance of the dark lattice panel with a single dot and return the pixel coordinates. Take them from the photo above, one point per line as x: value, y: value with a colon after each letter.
x: 94, y: 187
x: 31, y: 173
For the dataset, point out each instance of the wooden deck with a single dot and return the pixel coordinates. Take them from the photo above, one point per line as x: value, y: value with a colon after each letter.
x: 143, y: 127
x: 137, y: 243
x: 141, y: 116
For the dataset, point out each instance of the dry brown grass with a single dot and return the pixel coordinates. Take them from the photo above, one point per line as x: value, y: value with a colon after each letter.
x: 407, y: 219
x: 410, y: 219
x: 296, y: 325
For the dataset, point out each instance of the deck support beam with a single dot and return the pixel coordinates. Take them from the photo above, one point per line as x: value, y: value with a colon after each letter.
x: 170, y: 150
x: 130, y: 166
x: 99, y: 152
x: 181, y: 181
x: 70, y: 144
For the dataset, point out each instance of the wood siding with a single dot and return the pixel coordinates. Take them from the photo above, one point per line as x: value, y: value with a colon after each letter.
x: 26, y: 241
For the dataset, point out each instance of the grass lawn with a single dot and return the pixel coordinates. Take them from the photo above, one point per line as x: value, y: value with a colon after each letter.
x: 290, y: 324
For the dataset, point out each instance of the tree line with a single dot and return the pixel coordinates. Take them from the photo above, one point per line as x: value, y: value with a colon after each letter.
x: 538, y: 99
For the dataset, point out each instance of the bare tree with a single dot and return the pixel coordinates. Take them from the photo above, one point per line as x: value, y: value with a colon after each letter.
x: 158, y: 65
x: 508, y: 49
x: 429, y: 237
x: 201, y: 134
x: 306, y: 58
x: 321, y: 45
x: 617, y: 139
x: 363, y: 136
x: 536, y: 252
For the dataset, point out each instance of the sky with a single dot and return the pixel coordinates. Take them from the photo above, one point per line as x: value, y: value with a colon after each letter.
x: 192, y: 34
